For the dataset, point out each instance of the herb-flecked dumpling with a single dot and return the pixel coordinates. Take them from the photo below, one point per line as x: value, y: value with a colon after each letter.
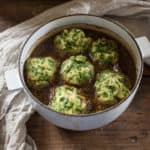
x: 40, y: 71
x: 111, y: 87
x: 77, y: 70
x: 104, y: 51
x: 71, y: 41
x: 68, y: 99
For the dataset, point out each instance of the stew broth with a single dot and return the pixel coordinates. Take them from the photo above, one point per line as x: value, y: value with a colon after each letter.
x: 45, y: 47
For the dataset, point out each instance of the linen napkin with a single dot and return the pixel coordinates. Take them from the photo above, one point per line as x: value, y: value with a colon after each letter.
x: 15, y: 107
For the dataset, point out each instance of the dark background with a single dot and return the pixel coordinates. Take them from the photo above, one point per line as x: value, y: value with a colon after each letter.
x: 130, y: 132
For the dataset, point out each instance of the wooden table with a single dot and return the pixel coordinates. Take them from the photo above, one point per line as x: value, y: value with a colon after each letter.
x: 131, y: 131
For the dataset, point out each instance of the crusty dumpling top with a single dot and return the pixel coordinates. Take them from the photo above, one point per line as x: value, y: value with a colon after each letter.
x: 77, y: 70
x: 68, y: 99
x: 111, y: 86
x: 104, y: 51
x: 71, y: 41
x: 39, y: 71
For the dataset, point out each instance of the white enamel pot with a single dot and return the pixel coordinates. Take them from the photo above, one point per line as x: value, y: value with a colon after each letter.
x: 139, y: 49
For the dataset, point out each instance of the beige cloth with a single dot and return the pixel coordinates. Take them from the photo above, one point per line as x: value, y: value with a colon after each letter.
x: 15, y: 108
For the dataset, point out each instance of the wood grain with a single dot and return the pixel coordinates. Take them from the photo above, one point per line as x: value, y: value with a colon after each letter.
x: 14, y: 11
x: 130, y: 132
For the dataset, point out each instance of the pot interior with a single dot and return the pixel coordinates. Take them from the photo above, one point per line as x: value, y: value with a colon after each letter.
x: 116, y: 31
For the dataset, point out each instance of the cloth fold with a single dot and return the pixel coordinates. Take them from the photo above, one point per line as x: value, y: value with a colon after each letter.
x: 15, y: 107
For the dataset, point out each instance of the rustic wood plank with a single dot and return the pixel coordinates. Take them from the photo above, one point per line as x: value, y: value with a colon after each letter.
x: 146, y: 70
x: 14, y: 11
x: 25, y: 9
x: 131, y: 131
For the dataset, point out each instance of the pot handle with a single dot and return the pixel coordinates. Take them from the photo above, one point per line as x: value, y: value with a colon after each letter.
x: 12, y: 79
x: 144, y: 45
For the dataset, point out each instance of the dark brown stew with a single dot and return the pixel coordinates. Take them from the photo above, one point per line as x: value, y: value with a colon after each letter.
x: 45, y: 47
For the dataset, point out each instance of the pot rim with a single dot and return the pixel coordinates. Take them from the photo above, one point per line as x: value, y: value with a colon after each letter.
x: 90, y: 114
